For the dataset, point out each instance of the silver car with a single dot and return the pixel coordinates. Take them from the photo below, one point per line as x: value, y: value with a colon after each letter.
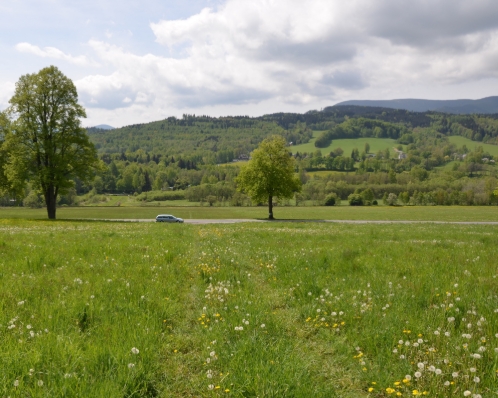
x: 168, y: 218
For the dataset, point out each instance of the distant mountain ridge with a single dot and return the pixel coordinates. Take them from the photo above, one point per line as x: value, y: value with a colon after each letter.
x: 103, y: 127
x: 488, y: 105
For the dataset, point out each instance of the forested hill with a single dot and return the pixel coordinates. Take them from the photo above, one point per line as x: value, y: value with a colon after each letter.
x: 204, y: 139
x: 200, y: 139
x: 488, y: 105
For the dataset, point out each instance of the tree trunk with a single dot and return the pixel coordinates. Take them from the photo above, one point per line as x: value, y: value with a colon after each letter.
x: 270, y: 208
x: 50, y: 201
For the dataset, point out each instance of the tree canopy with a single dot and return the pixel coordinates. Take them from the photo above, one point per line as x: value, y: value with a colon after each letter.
x: 269, y: 173
x: 44, y: 141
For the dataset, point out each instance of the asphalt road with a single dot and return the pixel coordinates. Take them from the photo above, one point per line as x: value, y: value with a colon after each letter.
x: 235, y: 221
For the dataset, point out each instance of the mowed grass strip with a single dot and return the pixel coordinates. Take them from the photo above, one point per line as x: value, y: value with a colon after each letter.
x: 382, y: 213
x: 275, y: 309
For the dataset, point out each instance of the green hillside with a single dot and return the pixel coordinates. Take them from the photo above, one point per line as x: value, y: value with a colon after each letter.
x: 473, y: 145
x: 347, y: 145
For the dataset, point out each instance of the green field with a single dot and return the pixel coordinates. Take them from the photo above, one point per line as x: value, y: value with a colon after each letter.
x: 460, y: 141
x: 383, y: 213
x: 94, y: 309
x: 347, y: 145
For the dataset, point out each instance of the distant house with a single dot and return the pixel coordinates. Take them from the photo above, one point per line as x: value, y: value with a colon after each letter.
x: 241, y: 158
x: 401, y: 155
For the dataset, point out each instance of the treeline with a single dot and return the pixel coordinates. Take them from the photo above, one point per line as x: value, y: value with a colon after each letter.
x: 360, y: 127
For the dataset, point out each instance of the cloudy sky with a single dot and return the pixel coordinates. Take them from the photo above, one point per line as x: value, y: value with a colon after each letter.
x: 138, y: 61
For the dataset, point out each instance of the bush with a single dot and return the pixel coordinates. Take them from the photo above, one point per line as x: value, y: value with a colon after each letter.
x: 332, y: 200
x: 33, y: 201
x: 355, y: 200
x: 160, y: 196
x: 392, y: 199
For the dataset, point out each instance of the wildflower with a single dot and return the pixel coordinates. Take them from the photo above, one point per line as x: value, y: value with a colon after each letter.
x: 263, y: 325
x: 211, y: 386
x: 418, y: 374
x: 131, y: 365
x: 467, y: 393
x: 454, y: 375
x: 16, y: 383
x: 477, y: 379
x: 446, y: 383
x: 420, y: 365
x: 472, y: 370
x: 438, y: 371
x: 40, y: 383
x: 135, y: 350
x: 370, y: 389
x: 408, y: 377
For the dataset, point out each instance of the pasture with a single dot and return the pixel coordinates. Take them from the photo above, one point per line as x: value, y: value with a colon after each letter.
x: 472, y: 145
x: 347, y: 145
x: 247, y: 310
x: 345, y: 212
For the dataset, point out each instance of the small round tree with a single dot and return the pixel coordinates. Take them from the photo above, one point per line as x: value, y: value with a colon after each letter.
x: 269, y: 173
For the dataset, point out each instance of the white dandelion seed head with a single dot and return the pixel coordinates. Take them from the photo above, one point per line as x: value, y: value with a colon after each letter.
x: 135, y: 351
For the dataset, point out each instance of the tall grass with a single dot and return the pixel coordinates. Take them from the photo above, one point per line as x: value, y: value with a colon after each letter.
x: 273, y: 310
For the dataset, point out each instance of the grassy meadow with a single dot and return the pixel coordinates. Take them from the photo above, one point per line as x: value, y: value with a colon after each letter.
x: 382, y: 213
x: 93, y: 309
x: 472, y: 145
x: 347, y: 145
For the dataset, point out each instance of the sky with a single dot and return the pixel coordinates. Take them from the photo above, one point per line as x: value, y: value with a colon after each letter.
x: 140, y: 61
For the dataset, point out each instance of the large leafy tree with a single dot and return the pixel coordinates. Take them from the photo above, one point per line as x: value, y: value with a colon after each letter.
x: 45, y: 143
x: 269, y: 173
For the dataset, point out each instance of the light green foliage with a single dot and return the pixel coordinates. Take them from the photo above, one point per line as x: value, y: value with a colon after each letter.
x: 46, y: 143
x: 270, y: 173
x: 275, y: 309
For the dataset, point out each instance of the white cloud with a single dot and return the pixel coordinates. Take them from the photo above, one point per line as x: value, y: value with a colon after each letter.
x: 290, y: 54
x: 6, y: 92
x: 52, y: 52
